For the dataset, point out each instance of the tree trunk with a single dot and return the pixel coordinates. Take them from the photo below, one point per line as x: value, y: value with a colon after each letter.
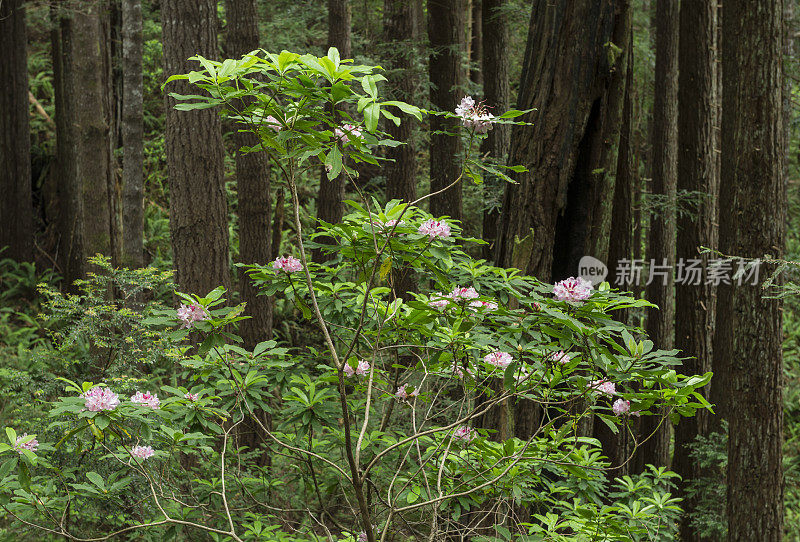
x: 446, y: 33
x: 697, y: 171
x: 330, y: 206
x: 400, y: 35
x: 132, y: 136
x: 563, y: 200
x: 476, y: 43
x: 660, y: 290
x: 747, y: 343
x: 69, y: 252
x: 16, y: 207
x: 91, y: 130
x: 573, y: 79
x: 193, y: 144
x: 252, y: 185
x: 617, y: 446
x: 497, y: 94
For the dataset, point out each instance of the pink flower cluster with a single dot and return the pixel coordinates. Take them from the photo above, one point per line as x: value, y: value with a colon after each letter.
x: 464, y: 433
x: 147, y: 399
x: 191, y: 314
x: 561, y: 357
x: 99, y: 398
x: 435, y: 228
x: 499, y: 359
x: 361, y: 370
x: 474, y: 115
x: 384, y: 227
x: 603, y: 386
x: 142, y: 452
x: 192, y: 396
x: 273, y: 123
x: 403, y: 395
x: 460, y: 372
x: 459, y: 293
x: 488, y: 306
x: 463, y: 293
x: 621, y: 407
x: 573, y: 289
x: 31, y: 445
x: 522, y: 374
x: 346, y: 132
x: 287, y: 264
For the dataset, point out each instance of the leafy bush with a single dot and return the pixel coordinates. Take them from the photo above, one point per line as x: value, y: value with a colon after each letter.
x: 377, y: 434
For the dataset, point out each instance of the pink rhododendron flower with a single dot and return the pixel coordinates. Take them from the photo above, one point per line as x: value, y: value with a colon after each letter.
x: 499, y: 359
x: 100, y: 398
x: 147, y: 399
x: 435, y: 228
x: 346, y: 132
x: 287, y: 264
x: 460, y: 371
x: 464, y: 293
x: 522, y: 374
x: 464, y: 433
x: 561, y: 357
x: 488, y: 306
x: 142, y: 452
x: 273, y: 123
x: 191, y: 314
x: 621, y: 407
x: 361, y: 370
x: 31, y: 445
x: 603, y: 386
x: 403, y: 395
x: 362, y: 536
x: 439, y: 303
x: 385, y: 227
x: 573, y: 289
x: 474, y: 115
x: 192, y: 396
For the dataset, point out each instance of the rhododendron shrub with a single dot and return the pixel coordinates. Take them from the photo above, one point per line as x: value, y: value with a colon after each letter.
x: 372, y: 426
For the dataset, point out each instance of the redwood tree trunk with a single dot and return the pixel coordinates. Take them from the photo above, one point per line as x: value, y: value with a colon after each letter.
x: 252, y: 185
x: 401, y: 34
x: 567, y: 72
x: 16, y: 204
x: 747, y: 343
x: 497, y: 94
x: 193, y: 143
x: 697, y: 171
x: 574, y: 82
x: 91, y: 131
x: 132, y: 128
x: 476, y: 43
x: 617, y: 446
x: 69, y: 254
x: 446, y: 33
x: 661, y: 322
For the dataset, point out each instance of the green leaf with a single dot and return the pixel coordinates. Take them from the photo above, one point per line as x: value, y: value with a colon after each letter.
x: 372, y: 114
x: 333, y: 162
x: 333, y: 54
x: 96, y: 479
x: 369, y: 86
x: 409, y: 109
x: 101, y: 421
